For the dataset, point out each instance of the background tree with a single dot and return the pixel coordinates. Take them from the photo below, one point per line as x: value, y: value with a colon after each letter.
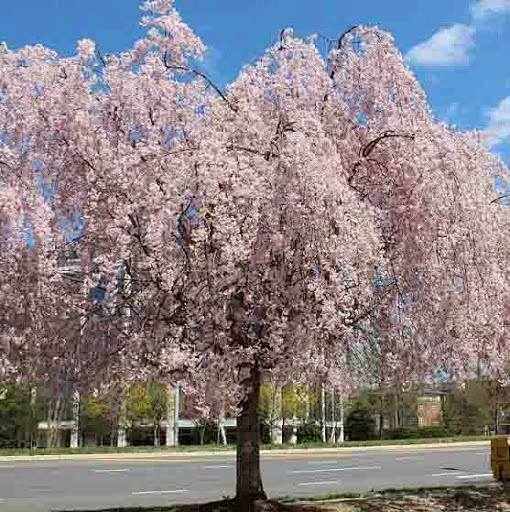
x: 360, y: 423
x: 19, y: 415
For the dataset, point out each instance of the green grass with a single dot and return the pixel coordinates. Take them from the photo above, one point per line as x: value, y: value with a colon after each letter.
x: 211, y: 447
x: 383, y: 442
x: 332, y: 496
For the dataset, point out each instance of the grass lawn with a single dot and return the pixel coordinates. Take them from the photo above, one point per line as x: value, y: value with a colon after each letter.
x: 211, y: 447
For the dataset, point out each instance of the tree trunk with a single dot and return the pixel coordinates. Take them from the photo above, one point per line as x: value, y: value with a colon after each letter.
x: 395, y: 420
x: 157, y: 439
x: 58, y: 420
x: 223, y: 435
x: 113, y: 435
x: 249, y: 480
x: 49, y: 416
x: 33, y: 426
x: 342, y: 429
x: 53, y: 419
x: 496, y: 418
x: 332, y: 437
x: 323, y: 413
x: 75, y: 432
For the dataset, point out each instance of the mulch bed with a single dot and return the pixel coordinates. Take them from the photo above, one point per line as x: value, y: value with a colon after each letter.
x: 492, y: 498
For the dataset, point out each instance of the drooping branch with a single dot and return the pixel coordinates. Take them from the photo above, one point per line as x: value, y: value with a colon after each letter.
x: 342, y: 37
x: 187, y: 69
x: 504, y: 196
x: 339, y: 46
x: 368, y: 148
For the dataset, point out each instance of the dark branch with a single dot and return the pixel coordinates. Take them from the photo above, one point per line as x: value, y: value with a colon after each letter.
x: 342, y: 37
x: 202, y: 75
x: 366, y: 150
x: 499, y: 198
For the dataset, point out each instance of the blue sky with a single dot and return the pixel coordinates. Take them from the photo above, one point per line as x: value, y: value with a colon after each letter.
x: 457, y: 48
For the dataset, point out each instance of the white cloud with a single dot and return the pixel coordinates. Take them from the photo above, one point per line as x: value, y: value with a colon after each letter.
x: 498, y: 128
x: 483, y: 8
x: 447, y: 47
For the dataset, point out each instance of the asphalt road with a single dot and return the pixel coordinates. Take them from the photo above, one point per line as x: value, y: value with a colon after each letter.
x: 42, y: 486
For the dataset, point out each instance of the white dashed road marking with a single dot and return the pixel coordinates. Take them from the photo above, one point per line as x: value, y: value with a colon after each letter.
x: 110, y: 470
x: 218, y: 467
x: 177, y: 491
x: 331, y: 469
x: 481, y: 475
x: 450, y: 473
x: 332, y: 482
x: 323, y: 462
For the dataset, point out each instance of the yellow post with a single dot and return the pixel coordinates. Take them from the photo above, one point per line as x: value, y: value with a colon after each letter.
x: 500, y: 458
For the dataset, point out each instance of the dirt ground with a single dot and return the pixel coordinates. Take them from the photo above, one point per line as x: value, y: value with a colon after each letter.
x: 489, y: 498
x: 480, y: 499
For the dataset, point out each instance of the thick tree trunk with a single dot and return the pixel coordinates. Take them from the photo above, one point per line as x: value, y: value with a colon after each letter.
x: 249, y: 482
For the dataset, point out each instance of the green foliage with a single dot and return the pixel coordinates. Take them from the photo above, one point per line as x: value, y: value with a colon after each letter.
x: 97, y: 419
x: 309, y: 433
x: 137, y: 401
x: 277, y: 403
x: 265, y: 433
x: 94, y: 408
x: 146, y: 401
x: 18, y: 418
x: 157, y: 397
x: 288, y: 401
x: 360, y: 424
x: 269, y: 403
x: 469, y: 409
x: 416, y: 432
x: 208, y: 430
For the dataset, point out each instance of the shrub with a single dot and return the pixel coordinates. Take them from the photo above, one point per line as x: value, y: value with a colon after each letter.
x: 417, y: 432
x: 309, y: 433
x: 360, y: 425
